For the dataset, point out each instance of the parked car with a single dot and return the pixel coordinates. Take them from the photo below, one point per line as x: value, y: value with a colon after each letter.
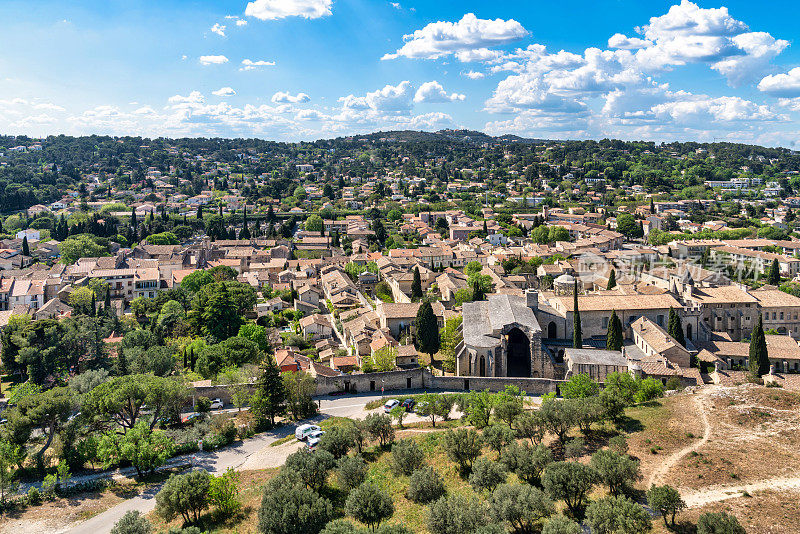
x: 390, y: 405
x: 314, y: 438
x: 408, y: 404
x: 303, y: 431
x: 217, y: 404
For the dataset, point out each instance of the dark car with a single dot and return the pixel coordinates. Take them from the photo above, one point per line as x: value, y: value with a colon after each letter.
x: 408, y: 404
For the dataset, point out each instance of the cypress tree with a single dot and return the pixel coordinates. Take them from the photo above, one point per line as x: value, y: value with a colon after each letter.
x: 94, y: 304
x: 477, y: 291
x: 612, y: 280
x: 416, y: 286
x: 200, y: 213
x: 614, y: 335
x: 26, y: 249
x: 774, y: 274
x: 577, y: 333
x: 675, y: 328
x: 759, y: 359
x: 270, y: 397
x: 427, y: 338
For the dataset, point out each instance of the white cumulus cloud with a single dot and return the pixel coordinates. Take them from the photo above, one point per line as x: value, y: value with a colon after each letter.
x: 282, y: 97
x: 213, y: 60
x: 785, y: 84
x: 474, y: 75
x: 433, y: 92
x: 280, y: 9
x: 442, y: 38
x: 224, y: 91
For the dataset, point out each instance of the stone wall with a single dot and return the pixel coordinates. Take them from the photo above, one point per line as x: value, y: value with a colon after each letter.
x: 422, y: 379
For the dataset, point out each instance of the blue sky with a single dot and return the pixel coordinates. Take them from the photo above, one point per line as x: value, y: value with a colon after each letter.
x: 307, y: 69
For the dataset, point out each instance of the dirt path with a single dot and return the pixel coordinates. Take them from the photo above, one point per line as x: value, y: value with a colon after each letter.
x: 698, y: 498
x: 656, y: 477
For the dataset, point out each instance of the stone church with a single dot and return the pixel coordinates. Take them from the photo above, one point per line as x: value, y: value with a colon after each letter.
x: 502, y: 338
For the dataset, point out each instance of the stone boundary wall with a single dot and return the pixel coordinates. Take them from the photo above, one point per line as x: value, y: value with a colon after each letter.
x: 423, y: 379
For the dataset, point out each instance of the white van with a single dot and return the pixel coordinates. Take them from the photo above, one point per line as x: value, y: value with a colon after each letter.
x: 303, y: 431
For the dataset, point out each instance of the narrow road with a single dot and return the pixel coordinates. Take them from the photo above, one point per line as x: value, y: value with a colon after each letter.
x: 661, y: 471
x: 253, y: 453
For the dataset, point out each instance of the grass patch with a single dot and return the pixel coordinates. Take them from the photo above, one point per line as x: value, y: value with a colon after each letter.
x: 281, y: 441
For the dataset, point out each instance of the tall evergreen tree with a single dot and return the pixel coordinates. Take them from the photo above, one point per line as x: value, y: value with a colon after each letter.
x: 134, y: 222
x: 675, y: 328
x: 26, y: 249
x: 614, y: 334
x: 426, y: 328
x: 612, y: 280
x: 577, y: 333
x: 477, y: 291
x: 94, y: 304
x: 269, y: 400
x: 416, y: 286
x: 774, y: 274
x: 200, y: 213
x: 759, y: 359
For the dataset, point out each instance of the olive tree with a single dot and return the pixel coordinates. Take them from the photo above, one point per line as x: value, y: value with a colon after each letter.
x: 311, y: 468
x: 368, y: 504
x: 351, y: 472
x: 569, y: 482
x: 184, y: 495
x: 615, y: 470
x: 486, y: 474
x: 667, y: 501
x: 521, y: 505
x: 617, y: 515
x: 289, y: 507
x: 407, y: 456
x: 425, y: 485
x: 457, y: 514
x: 463, y: 446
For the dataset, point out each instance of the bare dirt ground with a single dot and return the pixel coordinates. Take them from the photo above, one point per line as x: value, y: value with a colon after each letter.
x: 745, y: 461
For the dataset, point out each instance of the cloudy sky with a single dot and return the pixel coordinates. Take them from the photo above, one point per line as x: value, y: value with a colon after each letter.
x: 307, y: 69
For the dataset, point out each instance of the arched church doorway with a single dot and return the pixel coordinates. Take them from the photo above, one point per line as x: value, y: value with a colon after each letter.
x: 519, y: 354
x: 483, y: 366
x: 689, y: 331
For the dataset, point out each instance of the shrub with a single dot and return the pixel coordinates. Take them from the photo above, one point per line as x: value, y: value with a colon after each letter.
x: 487, y: 474
x: 368, y: 504
x: 523, y: 506
x: 617, y: 515
x: 463, y: 446
x: 34, y: 496
x: 311, y: 468
x: 425, y: 485
x: 457, y: 514
x: 203, y: 405
x: 351, y: 472
x: 132, y: 523
x: 580, y: 386
x: 718, y: 523
x: 288, y: 507
x: 649, y: 389
x: 574, y: 448
x: 184, y: 495
x: 619, y: 444
x: 407, y: 456
x: 223, y: 492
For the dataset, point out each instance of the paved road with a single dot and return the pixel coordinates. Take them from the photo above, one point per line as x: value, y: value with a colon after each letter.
x: 218, y: 461
x: 237, y: 456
